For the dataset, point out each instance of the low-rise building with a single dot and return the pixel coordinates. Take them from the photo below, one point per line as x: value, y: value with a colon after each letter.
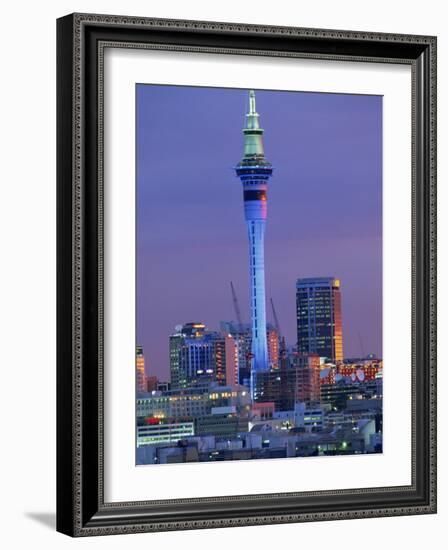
x: 297, y: 380
x: 193, y: 402
x: 158, y: 434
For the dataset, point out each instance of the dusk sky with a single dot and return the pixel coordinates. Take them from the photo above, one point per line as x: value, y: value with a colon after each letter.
x: 324, y: 210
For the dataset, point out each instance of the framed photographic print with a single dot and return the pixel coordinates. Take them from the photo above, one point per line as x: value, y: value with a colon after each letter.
x: 246, y: 274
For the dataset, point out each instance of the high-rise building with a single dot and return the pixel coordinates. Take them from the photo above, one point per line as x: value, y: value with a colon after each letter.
x: 140, y: 378
x: 273, y: 346
x: 242, y: 338
x: 319, y: 319
x: 231, y: 360
x: 307, y: 368
x: 199, y: 356
x: 254, y: 172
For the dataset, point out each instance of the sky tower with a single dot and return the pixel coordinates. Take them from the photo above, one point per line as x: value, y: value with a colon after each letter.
x: 254, y: 172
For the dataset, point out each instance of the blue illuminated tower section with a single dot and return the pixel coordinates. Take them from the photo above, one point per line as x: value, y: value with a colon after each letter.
x: 254, y: 172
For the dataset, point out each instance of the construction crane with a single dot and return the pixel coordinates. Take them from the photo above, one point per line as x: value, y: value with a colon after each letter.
x: 240, y: 327
x: 274, y: 313
x: 237, y: 308
x: 277, y: 327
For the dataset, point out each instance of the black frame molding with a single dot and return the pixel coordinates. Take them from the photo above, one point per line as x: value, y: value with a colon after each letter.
x: 81, y: 39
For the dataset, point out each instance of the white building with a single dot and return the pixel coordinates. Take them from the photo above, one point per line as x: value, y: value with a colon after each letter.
x: 156, y: 434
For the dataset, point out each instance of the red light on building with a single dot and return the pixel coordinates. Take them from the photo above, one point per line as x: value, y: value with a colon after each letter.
x: 264, y: 410
x: 369, y: 371
x: 152, y: 421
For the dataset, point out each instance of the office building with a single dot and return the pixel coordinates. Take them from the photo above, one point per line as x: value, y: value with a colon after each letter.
x: 242, y: 337
x: 140, y: 378
x: 319, y: 318
x: 193, y: 402
x: 298, y: 382
x: 162, y: 433
x: 273, y: 346
x: 199, y: 356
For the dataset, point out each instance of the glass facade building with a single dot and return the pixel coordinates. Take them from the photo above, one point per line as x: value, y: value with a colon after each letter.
x: 141, y: 379
x: 319, y: 319
x: 197, y: 356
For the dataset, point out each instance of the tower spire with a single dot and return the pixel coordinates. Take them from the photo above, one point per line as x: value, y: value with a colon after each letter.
x: 252, y: 107
x: 253, y: 134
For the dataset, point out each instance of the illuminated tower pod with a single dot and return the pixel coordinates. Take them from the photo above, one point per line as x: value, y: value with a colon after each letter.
x: 254, y: 172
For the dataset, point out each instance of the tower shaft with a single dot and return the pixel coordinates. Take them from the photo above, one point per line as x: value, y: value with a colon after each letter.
x: 256, y: 230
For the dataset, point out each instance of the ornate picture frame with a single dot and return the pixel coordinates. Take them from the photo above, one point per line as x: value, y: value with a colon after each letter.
x: 81, y: 506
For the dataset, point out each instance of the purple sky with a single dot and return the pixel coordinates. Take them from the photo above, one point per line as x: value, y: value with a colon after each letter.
x: 324, y: 209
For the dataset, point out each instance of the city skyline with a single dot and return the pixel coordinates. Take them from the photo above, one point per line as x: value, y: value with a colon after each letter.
x: 187, y: 245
